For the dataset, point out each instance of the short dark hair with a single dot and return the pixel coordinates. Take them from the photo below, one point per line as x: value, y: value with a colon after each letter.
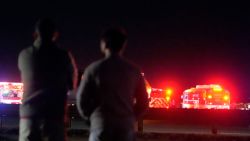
x: 114, y: 38
x: 46, y: 27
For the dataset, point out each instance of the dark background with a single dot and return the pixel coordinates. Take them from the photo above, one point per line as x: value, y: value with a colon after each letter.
x: 177, y: 44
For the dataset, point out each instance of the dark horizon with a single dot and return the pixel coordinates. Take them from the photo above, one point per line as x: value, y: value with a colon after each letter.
x: 176, y: 44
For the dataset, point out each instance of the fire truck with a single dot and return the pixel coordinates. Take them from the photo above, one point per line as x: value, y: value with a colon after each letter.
x: 11, y: 93
x: 206, y: 97
x: 159, y: 98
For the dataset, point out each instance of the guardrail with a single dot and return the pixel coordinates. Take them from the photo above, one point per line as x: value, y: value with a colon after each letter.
x: 212, y: 118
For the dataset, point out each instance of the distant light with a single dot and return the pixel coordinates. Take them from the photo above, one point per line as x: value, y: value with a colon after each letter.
x: 169, y: 91
x: 6, y: 90
x: 209, y: 96
x: 217, y: 89
x: 189, y: 90
x: 148, y: 87
x: 168, y: 98
x: 186, y: 106
x: 226, y: 97
x: 149, y: 90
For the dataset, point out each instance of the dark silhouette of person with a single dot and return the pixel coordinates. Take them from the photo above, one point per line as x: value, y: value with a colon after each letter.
x: 48, y: 74
x: 112, y: 92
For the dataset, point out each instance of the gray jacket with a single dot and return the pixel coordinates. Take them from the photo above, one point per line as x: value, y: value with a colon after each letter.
x: 112, y: 91
x: 48, y: 72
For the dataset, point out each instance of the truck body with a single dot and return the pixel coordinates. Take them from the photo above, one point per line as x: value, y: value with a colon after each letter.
x: 206, y: 97
x: 159, y: 98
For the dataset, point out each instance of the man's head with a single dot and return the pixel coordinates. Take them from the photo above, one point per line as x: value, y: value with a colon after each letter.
x: 46, y: 29
x: 113, y: 40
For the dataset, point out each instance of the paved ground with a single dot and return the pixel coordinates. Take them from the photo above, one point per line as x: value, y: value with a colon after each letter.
x: 160, y: 137
x: 153, y: 131
x: 167, y: 127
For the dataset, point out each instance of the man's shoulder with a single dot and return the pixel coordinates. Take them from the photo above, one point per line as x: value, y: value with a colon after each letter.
x: 26, y: 51
x: 103, y: 63
x: 95, y: 65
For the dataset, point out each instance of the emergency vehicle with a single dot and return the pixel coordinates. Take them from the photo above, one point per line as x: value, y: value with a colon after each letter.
x: 11, y: 93
x: 159, y: 98
x: 206, y: 97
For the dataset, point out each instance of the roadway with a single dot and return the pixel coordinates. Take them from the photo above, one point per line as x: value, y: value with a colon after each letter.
x: 174, y: 121
x: 154, y: 126
x: 79, y: 130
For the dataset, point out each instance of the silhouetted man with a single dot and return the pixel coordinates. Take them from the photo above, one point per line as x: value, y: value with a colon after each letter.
x: 48, y: 73
x: 112, y: 92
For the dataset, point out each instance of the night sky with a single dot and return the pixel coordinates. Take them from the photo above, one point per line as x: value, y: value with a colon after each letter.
x: 177, y: 45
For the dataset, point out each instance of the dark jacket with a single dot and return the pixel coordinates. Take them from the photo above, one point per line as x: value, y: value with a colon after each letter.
x: 48, y: 72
